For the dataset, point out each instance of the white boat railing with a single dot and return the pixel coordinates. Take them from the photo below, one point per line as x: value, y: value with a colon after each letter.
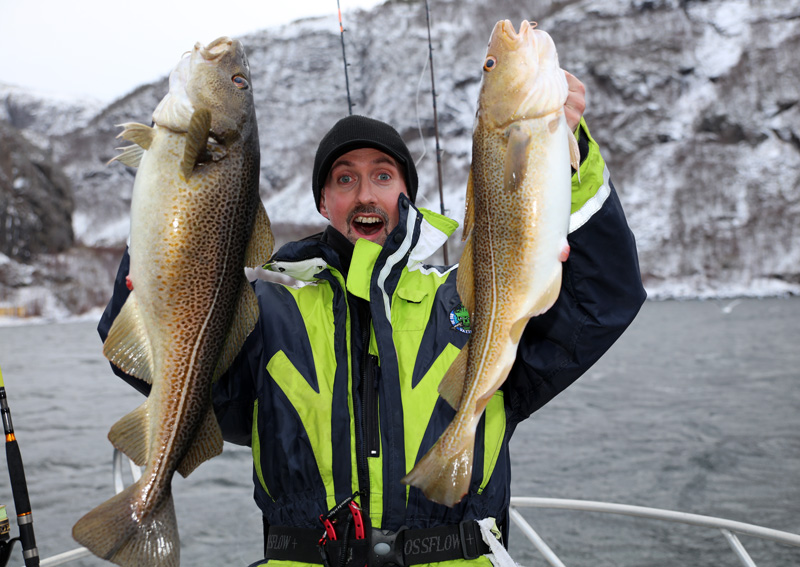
x: 727, y: 528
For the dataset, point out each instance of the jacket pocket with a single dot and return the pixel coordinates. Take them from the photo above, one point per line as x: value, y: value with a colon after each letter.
x: 410, y: 310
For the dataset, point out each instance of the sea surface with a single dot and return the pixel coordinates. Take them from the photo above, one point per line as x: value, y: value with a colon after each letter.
x: 696, y: 409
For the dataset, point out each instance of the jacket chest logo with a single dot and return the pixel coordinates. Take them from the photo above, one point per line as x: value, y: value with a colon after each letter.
x: 459, y: 319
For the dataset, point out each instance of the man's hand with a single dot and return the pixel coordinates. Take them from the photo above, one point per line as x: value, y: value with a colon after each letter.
x: 576, y: 101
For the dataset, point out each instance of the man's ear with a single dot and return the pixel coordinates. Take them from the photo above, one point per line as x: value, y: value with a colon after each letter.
x: 322, y: 210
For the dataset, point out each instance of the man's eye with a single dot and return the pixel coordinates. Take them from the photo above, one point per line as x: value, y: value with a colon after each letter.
x: 384, y: 177
x: 345, y: 179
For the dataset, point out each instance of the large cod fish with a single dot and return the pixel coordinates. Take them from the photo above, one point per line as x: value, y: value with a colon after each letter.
x: 196, y: 222
x: 515, y: 227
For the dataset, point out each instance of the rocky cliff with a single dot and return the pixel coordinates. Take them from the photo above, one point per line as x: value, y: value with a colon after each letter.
x: 694, y: 104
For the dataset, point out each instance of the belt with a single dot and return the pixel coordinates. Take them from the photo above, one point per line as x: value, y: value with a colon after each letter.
x: 382, y: 547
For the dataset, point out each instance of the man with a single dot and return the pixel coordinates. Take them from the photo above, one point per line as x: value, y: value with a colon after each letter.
x: 335, y: 389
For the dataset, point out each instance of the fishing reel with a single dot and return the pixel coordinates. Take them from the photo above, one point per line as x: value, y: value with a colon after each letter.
x: 6, y: 544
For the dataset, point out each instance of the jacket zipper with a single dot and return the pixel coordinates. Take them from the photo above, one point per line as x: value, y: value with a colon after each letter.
x: 370, y: 407
x: 368, y: 442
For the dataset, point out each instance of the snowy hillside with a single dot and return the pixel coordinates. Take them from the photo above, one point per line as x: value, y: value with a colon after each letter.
x: 694, y: 104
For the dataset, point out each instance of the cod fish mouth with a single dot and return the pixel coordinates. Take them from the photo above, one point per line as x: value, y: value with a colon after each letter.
x: 510, y: 35
x: 215, y: 49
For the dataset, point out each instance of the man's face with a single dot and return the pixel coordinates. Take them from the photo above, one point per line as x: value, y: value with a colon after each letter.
x: 360, y: 195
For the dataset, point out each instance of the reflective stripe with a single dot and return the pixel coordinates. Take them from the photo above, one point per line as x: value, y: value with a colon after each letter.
x: 493, y: 434
x: 582, y: 215
x: 396, y: 258
x: 438, y: 270
x: 435, y: 229
x: 256, y: 448
x: 591, y: 188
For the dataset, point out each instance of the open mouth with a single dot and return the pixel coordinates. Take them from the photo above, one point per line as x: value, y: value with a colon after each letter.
x: 367, y: 224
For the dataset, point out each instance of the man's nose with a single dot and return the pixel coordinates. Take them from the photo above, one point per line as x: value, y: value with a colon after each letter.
x: 366, y: 192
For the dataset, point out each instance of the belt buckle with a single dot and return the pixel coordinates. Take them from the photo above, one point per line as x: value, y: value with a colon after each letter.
x: 383, y: 550
x: 474, y: 536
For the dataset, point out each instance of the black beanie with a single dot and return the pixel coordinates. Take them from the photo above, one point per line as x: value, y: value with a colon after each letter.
x: 352, y: 133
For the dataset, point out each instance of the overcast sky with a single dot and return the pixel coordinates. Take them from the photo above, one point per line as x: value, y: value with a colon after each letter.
x: 104, y: 48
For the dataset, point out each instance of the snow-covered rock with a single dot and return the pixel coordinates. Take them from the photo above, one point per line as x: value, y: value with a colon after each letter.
x: 696, y: 106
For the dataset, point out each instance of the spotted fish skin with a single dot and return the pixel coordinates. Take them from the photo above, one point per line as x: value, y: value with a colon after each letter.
x: 515, y: 227
x: 196, y: 221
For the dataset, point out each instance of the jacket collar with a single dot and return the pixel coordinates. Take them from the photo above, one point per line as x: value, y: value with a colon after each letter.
x: 418, y: 234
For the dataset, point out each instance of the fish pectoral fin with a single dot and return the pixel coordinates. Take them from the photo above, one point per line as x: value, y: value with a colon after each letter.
x: 206, y: 444
x: 243, y: 321
x: 196, y: 140
x: 469, y: 210
x: 130, y: 156
x: 127, y: 344
x: 516, y: 165
x: 548, y: 297
x: 259, y: 249
x: 575, y: 155
x: 131, y: 434
x: 142, y: 137
x: 139, y: 134
x: 465, y: 280
x: 451, y: 388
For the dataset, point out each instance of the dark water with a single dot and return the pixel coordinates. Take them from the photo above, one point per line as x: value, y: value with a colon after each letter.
x: 696, y: 408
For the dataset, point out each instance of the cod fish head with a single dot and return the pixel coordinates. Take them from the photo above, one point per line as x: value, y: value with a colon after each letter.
x: 215, y: 77
x: 521, y: 75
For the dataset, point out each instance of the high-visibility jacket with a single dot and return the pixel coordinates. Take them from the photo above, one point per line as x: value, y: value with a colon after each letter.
x: 335, y: 389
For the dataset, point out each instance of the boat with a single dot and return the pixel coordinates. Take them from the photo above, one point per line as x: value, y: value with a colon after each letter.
x: 125, y: 470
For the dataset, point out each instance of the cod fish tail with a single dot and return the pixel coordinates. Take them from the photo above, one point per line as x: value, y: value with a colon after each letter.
x: 117, y: 532
x: 444, y: 473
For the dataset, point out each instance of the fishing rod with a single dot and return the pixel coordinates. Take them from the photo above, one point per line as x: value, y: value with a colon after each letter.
x: 346, y: 64
x: 436, y: 125
x: 19, y: 489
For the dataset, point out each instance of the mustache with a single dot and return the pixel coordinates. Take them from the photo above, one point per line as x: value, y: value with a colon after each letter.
x: 368, y: 210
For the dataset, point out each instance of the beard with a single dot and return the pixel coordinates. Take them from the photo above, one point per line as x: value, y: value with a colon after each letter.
x: 378, y: 231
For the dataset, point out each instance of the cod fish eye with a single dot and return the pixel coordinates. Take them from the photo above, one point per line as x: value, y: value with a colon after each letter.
x: 490, y: 63
x: 240, y: 82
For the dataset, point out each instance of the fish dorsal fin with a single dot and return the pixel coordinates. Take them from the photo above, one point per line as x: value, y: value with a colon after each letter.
x: 259, y: 249
x: 469, y: 210
x: 139, y: 134
x: 196, y: 140
x: 451, y: 388
x: 127, y: 344
x: 516, y: 166
x: 243, y: 321
x: 130, y: 156
x: 465, y: 283
x: 575, y: 155
x: 206, y: 444
x: 131, y: 434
